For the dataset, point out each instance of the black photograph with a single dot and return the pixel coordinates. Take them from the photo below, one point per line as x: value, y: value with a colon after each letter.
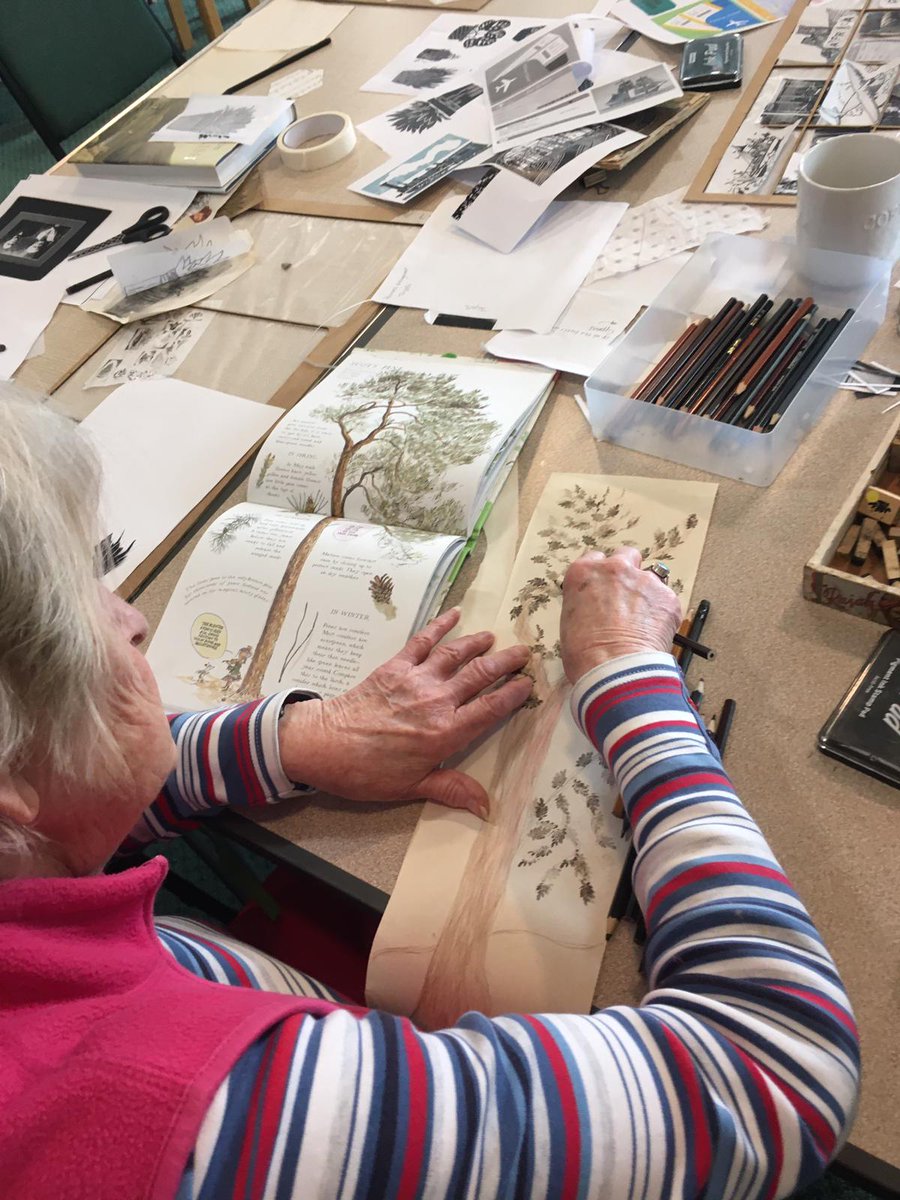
x: 539, y: 160
x: 794, y: 101
x: 36, y: 235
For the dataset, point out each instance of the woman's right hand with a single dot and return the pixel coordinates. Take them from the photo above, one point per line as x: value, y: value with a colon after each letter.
x: 612, y: 607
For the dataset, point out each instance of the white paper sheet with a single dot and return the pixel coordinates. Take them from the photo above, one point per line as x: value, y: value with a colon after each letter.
x: 285, y: 25
x: 587, y: 330
x: 26, y: 308
x: 451, y: 51
x: 170, y: 431
x: 240, y: 119
x: 415, y: 123
x: 297, y: 83
x: 666, y: 226
x: 528, y: 178
x: 446, y: 270
x: 152, y: 349
x: 145, y: 265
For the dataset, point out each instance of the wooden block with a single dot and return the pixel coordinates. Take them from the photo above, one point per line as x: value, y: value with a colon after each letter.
x: 881, y: 504
x: 873, y: 530
x: 893, y: 458
x: 894, y: 531
x: 862, y: 547
x: 891, y: 560
x: 849, y: 540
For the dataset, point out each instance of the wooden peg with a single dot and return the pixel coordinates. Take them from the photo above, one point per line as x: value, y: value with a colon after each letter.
x: 862, y: 547
x: 848, y: 541
x: 891, y: 560
x: 881, y: 504
x: 874, y: 530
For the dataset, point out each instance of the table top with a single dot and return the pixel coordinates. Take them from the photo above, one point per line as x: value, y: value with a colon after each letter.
x: 784, y: 660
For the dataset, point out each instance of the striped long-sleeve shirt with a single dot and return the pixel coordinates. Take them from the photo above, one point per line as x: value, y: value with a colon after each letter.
x: 736, y: 1078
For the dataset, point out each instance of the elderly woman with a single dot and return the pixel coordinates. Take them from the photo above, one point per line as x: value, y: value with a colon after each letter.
x: 142, y: 1059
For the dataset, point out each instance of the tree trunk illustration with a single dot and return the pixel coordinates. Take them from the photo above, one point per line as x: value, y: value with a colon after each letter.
x: 252, y: 685
x: 457, y: 977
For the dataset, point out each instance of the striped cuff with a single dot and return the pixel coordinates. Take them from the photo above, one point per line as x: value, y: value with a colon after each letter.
x: 603, y: 679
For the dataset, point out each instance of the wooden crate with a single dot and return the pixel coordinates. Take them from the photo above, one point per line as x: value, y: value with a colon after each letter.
x: 826, y: 579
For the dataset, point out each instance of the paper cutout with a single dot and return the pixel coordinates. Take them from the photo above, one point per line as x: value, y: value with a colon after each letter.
x: 152, y: 349
x: 510, y: 914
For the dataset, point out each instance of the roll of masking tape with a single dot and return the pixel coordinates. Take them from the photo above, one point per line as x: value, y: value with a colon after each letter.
x: 336, y: 130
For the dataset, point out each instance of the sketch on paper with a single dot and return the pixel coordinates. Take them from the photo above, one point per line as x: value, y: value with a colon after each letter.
x: 302, y: 636
x: 405, y: 178
x: 539, y: 160
x: 751, y: 160
x: 877, y: 39
x: 152, y: 349
x: 422, y: 115
x: 794, y: 101
x: 856, y: 95
x: 819, y: 38
x: 510, y: 914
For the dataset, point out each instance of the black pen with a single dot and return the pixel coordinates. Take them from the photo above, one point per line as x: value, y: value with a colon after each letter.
x: 695, y: 647
x: 723, y: 728
x: 285, y: 62
x: 86, y: 283
x: 693, y: 633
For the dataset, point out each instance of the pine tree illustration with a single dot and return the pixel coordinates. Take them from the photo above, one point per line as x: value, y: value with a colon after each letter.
x: 422, y: 115
x: 221, y: 538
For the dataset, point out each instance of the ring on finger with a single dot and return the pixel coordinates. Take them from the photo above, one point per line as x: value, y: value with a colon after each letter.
x: 660, y: 570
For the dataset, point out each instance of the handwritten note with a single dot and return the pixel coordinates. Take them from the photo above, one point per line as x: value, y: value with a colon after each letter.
x: 147, y: 265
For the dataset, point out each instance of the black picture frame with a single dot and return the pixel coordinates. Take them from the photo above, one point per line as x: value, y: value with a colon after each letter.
x: 37, y: 235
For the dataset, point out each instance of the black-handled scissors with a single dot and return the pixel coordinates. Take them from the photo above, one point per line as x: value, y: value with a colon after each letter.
x: 147, y: 228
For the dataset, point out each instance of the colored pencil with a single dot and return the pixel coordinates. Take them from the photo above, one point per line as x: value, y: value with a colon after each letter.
x: 806, y: 366
x: 674, y: 350
x: 783, y: 333
x: 705, y: 332
x: 681, y: 635
x: 707, y: 358
x: 795, y: 374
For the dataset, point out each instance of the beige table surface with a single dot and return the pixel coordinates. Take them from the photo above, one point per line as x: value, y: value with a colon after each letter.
x: 786, y: 661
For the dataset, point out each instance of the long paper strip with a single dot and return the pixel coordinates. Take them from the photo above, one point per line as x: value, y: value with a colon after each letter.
x: 510, y: 914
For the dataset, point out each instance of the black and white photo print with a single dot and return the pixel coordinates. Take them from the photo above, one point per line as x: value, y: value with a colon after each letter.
x: 539, y: 160
x: 877, y: 38
x: 793, y: 102
x: 36, y: 235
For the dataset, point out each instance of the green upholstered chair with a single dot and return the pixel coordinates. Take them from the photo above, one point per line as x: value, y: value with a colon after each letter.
x: 67, y: 61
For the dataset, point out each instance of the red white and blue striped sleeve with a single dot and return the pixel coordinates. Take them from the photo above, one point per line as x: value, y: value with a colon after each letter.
x: 226, y: 757
x: 737, y: 1076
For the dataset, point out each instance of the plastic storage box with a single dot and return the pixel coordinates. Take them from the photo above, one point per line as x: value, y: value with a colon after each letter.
x: 724, y: 266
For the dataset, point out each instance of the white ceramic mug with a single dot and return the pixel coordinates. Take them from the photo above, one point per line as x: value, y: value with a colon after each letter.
x: 848, y: 200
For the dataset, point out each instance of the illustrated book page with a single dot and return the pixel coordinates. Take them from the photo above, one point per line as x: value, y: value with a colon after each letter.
x: 272, y: 599
x: 409, y: 440
x: 509, y: 915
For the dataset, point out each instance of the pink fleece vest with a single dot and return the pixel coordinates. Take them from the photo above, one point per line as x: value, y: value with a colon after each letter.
x: 110, y: 1053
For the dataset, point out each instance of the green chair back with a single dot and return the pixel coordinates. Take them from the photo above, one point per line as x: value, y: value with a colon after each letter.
x: 67, y: 61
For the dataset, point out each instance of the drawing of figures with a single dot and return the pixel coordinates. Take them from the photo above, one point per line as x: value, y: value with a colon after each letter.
x: 422, y: 115
x: 750, y: 162
x: 233, y: 668
x: 200, y: 675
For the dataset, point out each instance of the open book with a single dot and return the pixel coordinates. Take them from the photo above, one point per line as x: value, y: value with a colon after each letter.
x: 362, y: 504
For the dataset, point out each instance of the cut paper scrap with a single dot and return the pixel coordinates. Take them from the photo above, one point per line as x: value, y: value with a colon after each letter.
x: 666, y: 226
x: 509, y: 915
x: 285, y: 25
x: 239, y: 119
x: 297, y: 83
x: 597, y: 315
x: 146, y: 265
x: 152, y: 349
x: 418, y: 121
x: 449, y: 272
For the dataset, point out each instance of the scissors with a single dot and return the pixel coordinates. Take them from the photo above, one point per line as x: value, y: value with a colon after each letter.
x: 147, y: 228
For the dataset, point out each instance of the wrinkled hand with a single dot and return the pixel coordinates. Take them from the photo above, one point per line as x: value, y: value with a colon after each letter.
x: 385, y: 738
x: 612, y: 607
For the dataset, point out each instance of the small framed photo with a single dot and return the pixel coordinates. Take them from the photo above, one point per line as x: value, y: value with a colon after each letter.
x: 36, y: 235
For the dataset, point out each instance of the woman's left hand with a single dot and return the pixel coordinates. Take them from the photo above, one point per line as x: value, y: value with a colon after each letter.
x: 385, y: 738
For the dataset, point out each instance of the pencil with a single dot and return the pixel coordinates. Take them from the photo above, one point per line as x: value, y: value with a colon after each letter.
x: 730, y: 370
x: 785, y: 332
x: 682, y: 633
x: 792, y: 353
x: 738, y: 404
x: 794, y: 375
x: 706, y: 333
x: 706, y: 359
x: 285, y: 62
x: 674, y: 350
x: 676, y: 362
x: 695, y: 647
x: 805, y: 368
x: 696, y: 629
x: 723, y: 728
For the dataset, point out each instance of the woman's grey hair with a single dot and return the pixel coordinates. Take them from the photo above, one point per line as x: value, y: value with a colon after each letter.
x: 53, y: 648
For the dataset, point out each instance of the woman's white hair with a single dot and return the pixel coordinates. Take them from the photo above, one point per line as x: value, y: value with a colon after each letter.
x: 53, y: 647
